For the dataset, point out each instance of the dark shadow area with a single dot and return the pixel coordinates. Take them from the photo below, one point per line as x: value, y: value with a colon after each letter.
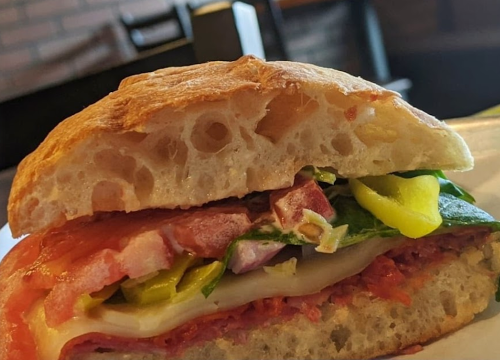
x: 451, y: 84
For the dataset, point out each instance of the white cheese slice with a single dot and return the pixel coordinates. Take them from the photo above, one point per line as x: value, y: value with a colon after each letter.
x: 312, y: 275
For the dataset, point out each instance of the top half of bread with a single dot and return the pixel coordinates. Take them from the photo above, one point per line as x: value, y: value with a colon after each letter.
x: 181, y: 137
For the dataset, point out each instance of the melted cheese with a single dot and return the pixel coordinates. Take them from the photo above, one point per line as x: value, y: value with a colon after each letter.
x: 312, y: 275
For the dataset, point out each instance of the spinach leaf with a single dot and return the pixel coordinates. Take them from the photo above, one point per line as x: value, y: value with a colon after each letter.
x: 457, y: 212
x: 446, y: 185
x: 362, y: 224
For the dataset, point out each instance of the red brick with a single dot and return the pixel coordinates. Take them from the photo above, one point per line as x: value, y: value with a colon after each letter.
x: 49, y: 7
x: 15, y: 59
x: 145, y: 7
x: 89, y: 19
x: 27, y: 33
x: 61, y: 47
x: 97, y: 58
x: 9, y: 15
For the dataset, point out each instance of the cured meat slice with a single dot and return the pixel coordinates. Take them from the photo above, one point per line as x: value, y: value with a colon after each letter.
x: 207, y: 232
x: 81, y: 258
x: 288, y: 203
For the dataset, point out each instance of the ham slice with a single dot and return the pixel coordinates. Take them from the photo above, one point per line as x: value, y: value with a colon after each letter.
x: 142, y: 255
x: 83, y: 257
x: 288, y: 204
x: 208, y: 232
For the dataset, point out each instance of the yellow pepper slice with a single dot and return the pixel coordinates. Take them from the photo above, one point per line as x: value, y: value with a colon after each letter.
x: 89, y: 301
x: 409, y: 205
x: 195, y: 279
x: 161, y: 287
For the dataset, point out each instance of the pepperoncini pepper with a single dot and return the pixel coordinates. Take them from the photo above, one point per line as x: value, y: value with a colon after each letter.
x: 409, y: 205
x: 160, y: 287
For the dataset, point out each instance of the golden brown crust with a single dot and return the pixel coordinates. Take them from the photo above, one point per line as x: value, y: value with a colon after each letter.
x: 185, y: 136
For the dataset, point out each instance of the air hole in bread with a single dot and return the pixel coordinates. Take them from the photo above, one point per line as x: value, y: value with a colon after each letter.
x: 448, y: 302
x: 32, y: 204
x: 325, y: 150
x: 381, y: 345
x: 113, y: 162
x: 284, y: 112
x: 290, y: 149
x: 339, y: 337
x: 342, y: 144
x: 168, y: 148
x: 143, y: 184
x: 217, y: 131
x: 134, y: 136
x: 107, y: 196
x: 378, y: 162
x: 371, y: 134
x: 340, y: 100
x: 210, y: 134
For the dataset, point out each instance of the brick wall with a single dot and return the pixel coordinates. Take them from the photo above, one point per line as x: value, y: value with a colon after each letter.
x: 47, y: 41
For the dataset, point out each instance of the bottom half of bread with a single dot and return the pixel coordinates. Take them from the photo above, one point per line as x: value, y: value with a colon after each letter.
x: 456, y: 290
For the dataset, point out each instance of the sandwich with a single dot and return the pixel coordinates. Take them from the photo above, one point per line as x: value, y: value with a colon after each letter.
x: 243, y: 210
